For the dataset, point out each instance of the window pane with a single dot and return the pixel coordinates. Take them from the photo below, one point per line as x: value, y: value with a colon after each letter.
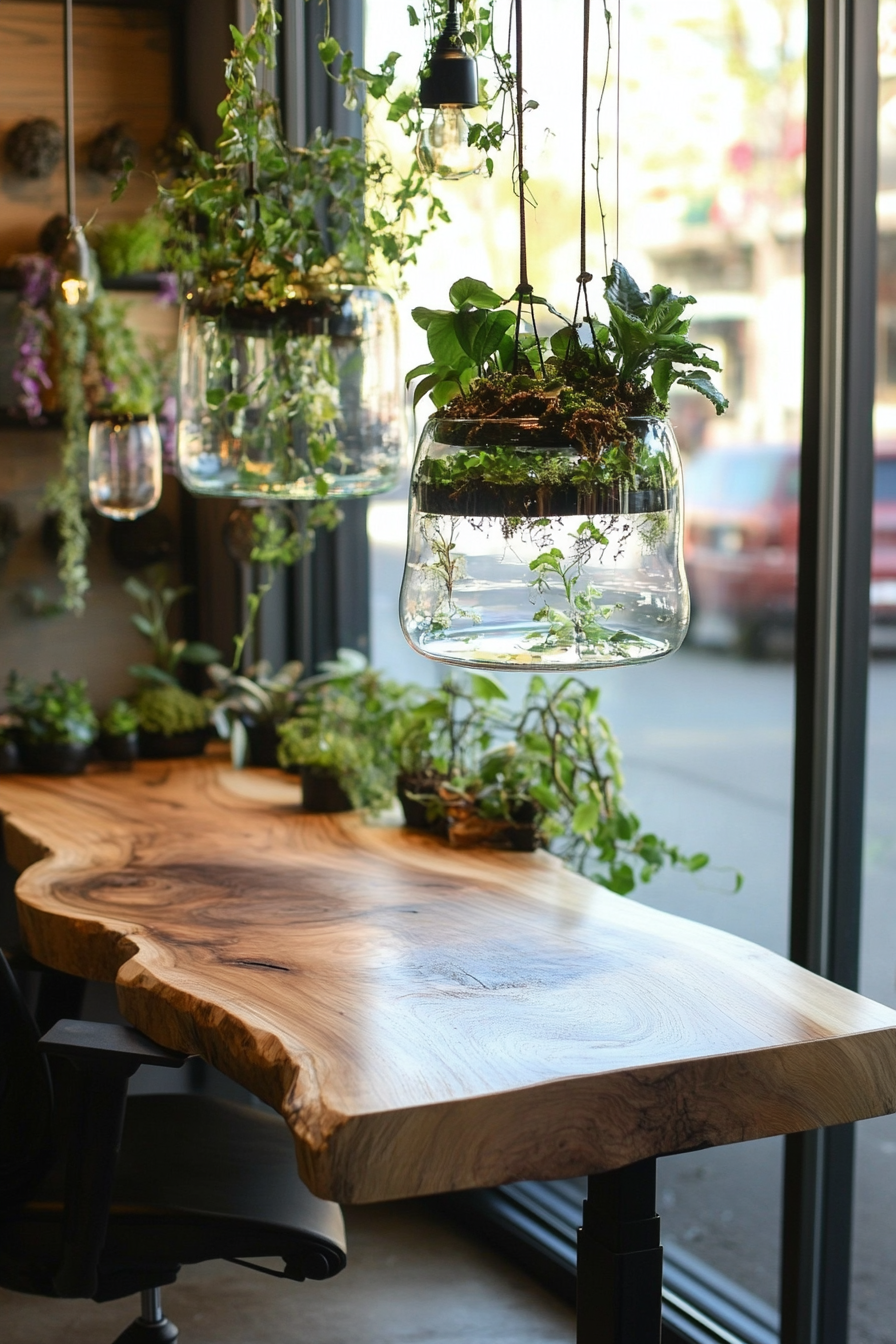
x: 711, y: 178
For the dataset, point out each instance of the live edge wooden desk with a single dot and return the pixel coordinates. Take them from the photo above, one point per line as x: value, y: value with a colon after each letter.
x: 428, y: 1020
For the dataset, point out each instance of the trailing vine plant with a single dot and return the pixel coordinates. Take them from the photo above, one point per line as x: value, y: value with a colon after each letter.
x: 99, y: 368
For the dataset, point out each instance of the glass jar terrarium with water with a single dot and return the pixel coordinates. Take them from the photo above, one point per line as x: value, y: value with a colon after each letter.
x: 523, y: 551
x: 296, y: 403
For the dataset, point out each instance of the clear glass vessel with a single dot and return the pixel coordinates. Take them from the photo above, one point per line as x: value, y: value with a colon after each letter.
x: 124, y: 465
x: 523, y: 553
x: 294, y: 404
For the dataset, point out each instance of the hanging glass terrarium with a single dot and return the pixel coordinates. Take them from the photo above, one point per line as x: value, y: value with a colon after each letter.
x: 545, y: 523
x: 521, y: 553
x: 295, y: 403
x: 124, y: 465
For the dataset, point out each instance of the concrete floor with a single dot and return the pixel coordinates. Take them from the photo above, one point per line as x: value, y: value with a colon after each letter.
x: 411, y: 1279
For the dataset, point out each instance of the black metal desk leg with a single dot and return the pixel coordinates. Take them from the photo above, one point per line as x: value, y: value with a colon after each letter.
x: 620, y: 1263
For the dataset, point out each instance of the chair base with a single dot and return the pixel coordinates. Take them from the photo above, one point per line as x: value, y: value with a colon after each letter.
x: 152, y: 1325
x: 149, y: 1332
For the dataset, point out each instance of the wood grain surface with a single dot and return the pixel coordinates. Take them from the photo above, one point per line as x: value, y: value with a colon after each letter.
x: 426, y: 1020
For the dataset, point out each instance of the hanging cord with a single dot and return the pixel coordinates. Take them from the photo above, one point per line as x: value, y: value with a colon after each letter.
x: 69, y: 66
x: 584, y: 276
x: 600, y: 103
x: 524, y: 289
x: 618, y: 114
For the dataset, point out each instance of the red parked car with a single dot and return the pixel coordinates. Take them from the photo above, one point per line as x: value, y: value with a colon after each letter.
x: 741, y: 531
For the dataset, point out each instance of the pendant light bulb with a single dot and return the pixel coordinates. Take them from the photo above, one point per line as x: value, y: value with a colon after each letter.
x: 75, y: 270
x: 444, y: 149
x: 450, y: 84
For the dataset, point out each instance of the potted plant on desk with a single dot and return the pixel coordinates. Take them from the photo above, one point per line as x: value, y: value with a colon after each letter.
x: 251, y: 708
x: 119, y: 732
x: 173, y: 721
x: 55, y: 726
x: 439, y: 737
x: 339, y: 738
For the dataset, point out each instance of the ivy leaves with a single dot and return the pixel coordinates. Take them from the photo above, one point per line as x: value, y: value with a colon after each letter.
x: 648, y: 334
x: 465, y: 341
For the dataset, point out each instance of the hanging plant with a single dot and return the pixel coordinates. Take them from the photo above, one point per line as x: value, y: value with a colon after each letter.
x: 85, y: 361
x: 545, y: 522
x: 288, y: 352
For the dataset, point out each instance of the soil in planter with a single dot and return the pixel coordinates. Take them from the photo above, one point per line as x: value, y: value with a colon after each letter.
x: 322, y: 792
x: 416, y: 812
x: 160, y: 747
x: 54, y: 758
x: 486, y: 500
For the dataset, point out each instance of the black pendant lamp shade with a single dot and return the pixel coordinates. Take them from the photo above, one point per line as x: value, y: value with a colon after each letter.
x: 453, y: 76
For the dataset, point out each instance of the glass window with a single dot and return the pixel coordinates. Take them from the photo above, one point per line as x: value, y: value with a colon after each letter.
x: 711, y: 164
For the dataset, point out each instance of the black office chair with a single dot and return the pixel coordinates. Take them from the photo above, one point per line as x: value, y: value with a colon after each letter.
x: 99, y: 1200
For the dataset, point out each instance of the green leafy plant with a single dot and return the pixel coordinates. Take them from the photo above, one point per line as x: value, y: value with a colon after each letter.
x: 277, y: 544
x: 170, y: 710
x: 343, y: 726
x: 552, y: 768
x: 57, y: 711
x: 155, y: 601
x: 120, y: 719
x: 99, y: 368
x: 482, y: 367
x: 262, y: 222
x: 129, y: 247
x: 260, y: 695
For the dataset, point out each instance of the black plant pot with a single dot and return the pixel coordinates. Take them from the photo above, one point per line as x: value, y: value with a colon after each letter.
x: 9, y: 758
x: 322, y: 792
x: 263, y: 741
x: 120, y: 746
x: 54, y: 758
x: 162, y: 747
x: 415, y: 812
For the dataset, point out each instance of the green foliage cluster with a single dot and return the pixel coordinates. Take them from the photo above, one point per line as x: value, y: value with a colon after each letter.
x: 169, y: 710
x: 552, y: 765
x: 484, y: 369
x: 555, y: 762
x: 343, y: 725
x: 100, y: 369
x: 120, y: 719
x: 155, y: 600
x: 56, y: 711
x: 260, y: 695
x: 262, y: 222
x: 128, y: 247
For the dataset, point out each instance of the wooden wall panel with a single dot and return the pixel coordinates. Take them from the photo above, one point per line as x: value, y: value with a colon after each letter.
x: 123, y: 72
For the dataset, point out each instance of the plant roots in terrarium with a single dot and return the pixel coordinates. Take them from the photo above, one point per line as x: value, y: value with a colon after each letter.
x: 299, y: 403
x: 532, y: 556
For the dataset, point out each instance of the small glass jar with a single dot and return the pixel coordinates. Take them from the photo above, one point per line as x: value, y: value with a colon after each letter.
x: 124, y: 465
x: 299, y: 403
x: 524, y: 553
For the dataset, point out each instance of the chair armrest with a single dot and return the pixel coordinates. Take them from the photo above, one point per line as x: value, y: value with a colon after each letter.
x: 107, y: 1045
x: 104, y: 1057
